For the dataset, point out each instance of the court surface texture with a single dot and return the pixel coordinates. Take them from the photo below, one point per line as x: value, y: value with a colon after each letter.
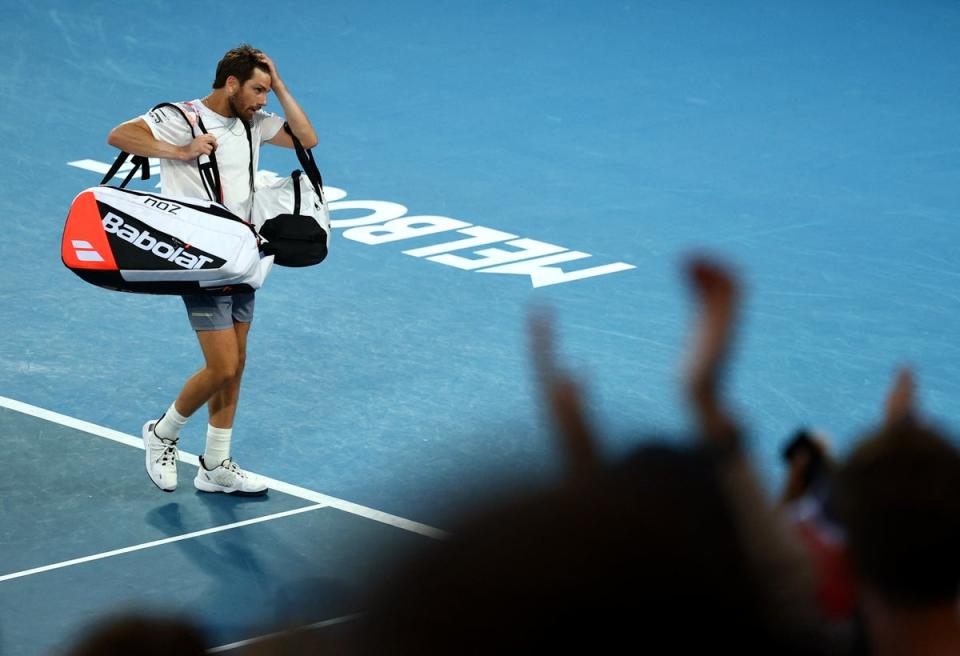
x: 482, y: 159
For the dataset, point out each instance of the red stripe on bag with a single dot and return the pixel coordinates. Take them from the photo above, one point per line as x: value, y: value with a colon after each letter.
x: 85, y: 244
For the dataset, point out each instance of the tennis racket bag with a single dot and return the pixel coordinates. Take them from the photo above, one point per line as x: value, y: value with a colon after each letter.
x: 140, y: 242
x: 150, y: 243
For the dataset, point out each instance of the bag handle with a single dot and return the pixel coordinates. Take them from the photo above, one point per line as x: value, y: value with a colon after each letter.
x: 305, y: 157
x: 141, y: 163
x: 296, y: 191
x: 209, y: 171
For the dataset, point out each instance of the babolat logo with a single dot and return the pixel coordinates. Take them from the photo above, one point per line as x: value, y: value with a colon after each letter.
x: 145, y: 241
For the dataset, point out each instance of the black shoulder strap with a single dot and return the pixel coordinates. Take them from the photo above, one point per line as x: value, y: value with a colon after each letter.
x: 296, y: 191
x: 246, y: 128
x: 141, y: 163
x: 305, y: 156
x: 209, y: 172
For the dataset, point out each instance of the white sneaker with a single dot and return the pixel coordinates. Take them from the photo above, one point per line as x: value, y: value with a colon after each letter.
x: 161, y: 458
x: 229, y: 478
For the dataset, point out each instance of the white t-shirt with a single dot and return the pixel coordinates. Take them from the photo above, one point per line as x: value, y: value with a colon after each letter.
x: 178, y: 178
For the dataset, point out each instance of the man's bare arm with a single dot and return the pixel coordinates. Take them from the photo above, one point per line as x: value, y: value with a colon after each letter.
x: 299, y: 123
x: 135, y: 137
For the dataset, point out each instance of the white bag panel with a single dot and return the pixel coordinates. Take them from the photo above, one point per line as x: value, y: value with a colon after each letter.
x: 228, y: 239
x: 274, y: 195
x: 183, y: 219
x: 223, y: 237
x: 255, y: 277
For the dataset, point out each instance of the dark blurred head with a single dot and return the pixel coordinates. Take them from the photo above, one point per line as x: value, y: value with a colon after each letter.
x: 142, y: 635
x: 643, y: 553
x: 898, y: 497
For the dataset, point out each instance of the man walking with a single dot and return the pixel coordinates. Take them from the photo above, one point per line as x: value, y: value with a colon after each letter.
x: 243, y: 79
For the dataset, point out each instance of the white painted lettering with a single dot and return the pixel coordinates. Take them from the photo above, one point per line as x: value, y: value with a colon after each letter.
x: 481, y: 236
x: 333, y: 194
x: 405, y: 228
x: 542, y: 275
x: 382, y: 211
x: 528, y: 248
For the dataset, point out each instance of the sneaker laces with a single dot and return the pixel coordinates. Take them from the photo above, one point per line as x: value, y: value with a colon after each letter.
x: 169, y: 453
x: 233, y: 468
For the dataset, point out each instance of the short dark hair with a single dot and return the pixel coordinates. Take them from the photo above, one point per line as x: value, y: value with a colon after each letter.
x: 898, y: 497
x: 238, y: 62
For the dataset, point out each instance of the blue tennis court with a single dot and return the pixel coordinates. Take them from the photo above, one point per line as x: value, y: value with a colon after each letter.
x: 483, y: 158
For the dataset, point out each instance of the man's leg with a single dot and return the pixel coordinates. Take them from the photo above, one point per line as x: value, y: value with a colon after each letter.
x: 222, y: 406
x: 221, y: 354
x: 210, y: 317
x: 221, y: 325
x: 218, y: 472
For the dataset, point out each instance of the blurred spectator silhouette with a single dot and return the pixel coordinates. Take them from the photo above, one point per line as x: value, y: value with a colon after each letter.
x: 898, y: 498
x: 143, y: 635
x: 674, y: 550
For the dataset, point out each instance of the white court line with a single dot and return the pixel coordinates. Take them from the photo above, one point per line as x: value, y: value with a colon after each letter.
x: 189, y: 458
x: 270, y: 636
x: 157, y: 543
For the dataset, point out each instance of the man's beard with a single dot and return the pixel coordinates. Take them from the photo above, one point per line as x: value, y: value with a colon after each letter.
x: 233, y: 108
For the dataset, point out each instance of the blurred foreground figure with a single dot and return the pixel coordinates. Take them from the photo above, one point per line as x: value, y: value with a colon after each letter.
x: 898, y: 499
x: 647, y: 553
x: 675, y: 546
x: 140, y: 635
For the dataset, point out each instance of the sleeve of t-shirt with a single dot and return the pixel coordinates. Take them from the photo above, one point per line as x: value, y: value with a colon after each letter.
x: 269, y: 123
x: 168, y: 125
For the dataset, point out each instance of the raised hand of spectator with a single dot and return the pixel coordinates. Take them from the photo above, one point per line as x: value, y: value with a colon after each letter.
x: 900, y: 398
x: 716, y: 292
x: 563, y: 399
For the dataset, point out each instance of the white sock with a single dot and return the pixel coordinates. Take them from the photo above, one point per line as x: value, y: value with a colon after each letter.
x: 170, y: 424
x: 218, y: 446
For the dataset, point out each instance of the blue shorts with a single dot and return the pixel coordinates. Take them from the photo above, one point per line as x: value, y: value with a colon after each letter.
x: 219, y: 312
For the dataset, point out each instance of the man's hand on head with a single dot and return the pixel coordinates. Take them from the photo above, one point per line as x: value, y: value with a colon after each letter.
x: 275, y: 80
